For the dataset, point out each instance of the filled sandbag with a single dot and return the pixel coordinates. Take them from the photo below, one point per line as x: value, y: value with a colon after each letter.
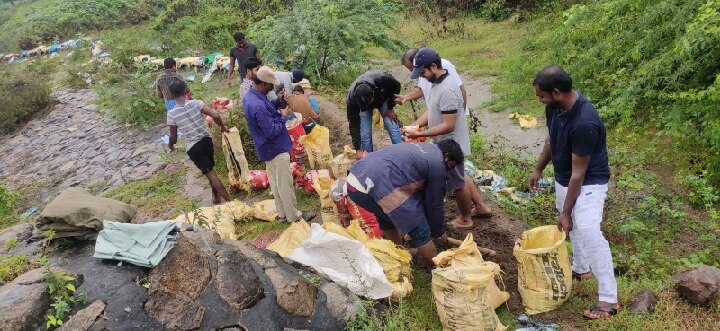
x: 544, y: 274
x: 317, y: 146
x: 462, y: 298
x: 468, y: 255
x: 340, y: 164
x: 238, y: 170
x: 76, y: 213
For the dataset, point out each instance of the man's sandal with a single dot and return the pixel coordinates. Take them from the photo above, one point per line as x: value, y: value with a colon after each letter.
x: 581, y: 277
x: 596, y: 312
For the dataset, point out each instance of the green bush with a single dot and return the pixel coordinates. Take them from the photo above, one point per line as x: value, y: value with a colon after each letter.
x: 326, y: 38
x: 209, y: 25
x: 8, y: 212
x: 24, y: 91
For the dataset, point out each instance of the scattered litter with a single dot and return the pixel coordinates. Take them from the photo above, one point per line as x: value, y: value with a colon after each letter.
x: 165, y: 139
x: 526, y: 121
x: 221, y: 104
x: 190, y: 78
x: 30, y: 211
x: 534, y: 325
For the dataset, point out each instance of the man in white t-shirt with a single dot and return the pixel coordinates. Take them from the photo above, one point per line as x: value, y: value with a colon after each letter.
x: 444, y: 122
x: 188, y: 117
x: 424, y: 86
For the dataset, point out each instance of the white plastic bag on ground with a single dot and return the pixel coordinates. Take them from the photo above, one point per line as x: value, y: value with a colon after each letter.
x: 346, y: 262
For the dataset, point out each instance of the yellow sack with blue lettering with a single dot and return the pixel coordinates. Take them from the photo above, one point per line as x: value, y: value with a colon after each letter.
x: 544, y: 274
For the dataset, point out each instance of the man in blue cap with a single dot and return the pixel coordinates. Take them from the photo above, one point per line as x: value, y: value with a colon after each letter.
x: 445, y: 102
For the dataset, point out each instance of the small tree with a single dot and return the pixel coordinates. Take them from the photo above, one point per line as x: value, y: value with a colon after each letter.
x: 327, y: 38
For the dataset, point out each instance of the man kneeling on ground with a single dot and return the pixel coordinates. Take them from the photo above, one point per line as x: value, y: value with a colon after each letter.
x: 189, y: 117
x: 404, y: 187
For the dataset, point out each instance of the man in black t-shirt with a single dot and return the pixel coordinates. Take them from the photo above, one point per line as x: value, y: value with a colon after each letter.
x: 240, y: 53
x: 577, y: 148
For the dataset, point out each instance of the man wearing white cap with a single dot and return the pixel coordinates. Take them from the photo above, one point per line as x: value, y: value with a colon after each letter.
x: 272, y: 143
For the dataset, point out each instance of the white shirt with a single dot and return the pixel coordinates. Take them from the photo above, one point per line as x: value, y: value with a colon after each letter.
x: 425, y: 86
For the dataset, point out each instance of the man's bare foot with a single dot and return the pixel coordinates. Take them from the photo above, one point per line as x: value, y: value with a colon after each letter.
x: 483, y: 212
x: 216, y: 198
x: 460, y: 223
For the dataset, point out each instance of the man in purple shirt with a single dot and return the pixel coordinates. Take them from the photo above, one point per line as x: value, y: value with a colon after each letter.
x: 404, y: 185
x: 272, y: 143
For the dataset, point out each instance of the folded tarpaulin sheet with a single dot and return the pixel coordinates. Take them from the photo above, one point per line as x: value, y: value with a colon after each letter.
x: 140, y: 244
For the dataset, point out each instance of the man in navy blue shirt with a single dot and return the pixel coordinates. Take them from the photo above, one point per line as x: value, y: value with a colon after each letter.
x: 272, y: 143
x: 576, y: 147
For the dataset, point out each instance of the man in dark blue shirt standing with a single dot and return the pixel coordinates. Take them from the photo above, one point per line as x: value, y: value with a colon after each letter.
x: 576, y: 146
x: 272, y: 143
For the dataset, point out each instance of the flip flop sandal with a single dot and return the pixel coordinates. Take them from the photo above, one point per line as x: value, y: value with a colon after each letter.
x: 581, y: 277
x: 601, y: 313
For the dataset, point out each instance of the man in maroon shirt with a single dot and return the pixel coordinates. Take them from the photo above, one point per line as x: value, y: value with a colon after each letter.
x: 240, y: 53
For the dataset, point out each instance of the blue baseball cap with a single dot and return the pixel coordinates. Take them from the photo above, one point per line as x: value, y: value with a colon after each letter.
x: 423, y: 58
x: 298, y: 74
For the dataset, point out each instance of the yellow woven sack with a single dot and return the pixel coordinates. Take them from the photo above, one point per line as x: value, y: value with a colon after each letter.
x: 291, y: 238
x: 395, y: 262
x: 317, y: 146
x: 341, y: 163
x: 265, y: 210
x: 544, y: 275
x: 468, y: 255
x: 222, y: 217
x: 238, y: 170
x: 328, y: 212
x: 461, y: 297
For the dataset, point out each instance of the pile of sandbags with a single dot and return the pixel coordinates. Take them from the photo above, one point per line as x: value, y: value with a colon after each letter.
x: 222, y: 218
x: 76, y: 213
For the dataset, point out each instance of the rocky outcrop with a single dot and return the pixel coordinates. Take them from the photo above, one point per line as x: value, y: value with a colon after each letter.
x: 23, y: 302
x: 85, y: 318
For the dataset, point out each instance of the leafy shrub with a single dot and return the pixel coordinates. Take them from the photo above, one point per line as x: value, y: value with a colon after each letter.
x: 13, y: 266
x: 8, y: 211
x: 23, y: 93
x: 209, y: 25
x: 326, y: 38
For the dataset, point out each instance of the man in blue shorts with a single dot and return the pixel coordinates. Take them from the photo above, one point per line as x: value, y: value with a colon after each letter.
x: 404, y: 186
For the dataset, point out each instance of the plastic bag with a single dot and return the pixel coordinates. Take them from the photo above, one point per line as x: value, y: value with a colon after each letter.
x: 346, y: 262
x: 265, y: 210
x: 544, y: 274
x: 468, y: 255
x: 338, y: 196
x: 367, y: 220
x: 340, y: 164
x: 291, y: 238
x: 395, y: 262
x: 317, y: 146
x: 259, y: 180
x: 238, y: 170
x: 461, y: 297
x: 296, y: 130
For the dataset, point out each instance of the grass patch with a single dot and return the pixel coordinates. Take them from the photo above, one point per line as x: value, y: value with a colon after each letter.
x: 13, y: 266
x: 25, y: 92
x: 252, y: 229
x: 159, y: 197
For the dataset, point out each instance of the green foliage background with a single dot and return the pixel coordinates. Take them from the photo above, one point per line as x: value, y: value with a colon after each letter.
x: 648, y: 65
x: 327, y: 38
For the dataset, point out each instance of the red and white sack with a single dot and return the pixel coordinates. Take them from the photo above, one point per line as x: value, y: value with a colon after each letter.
x: 259, y: 180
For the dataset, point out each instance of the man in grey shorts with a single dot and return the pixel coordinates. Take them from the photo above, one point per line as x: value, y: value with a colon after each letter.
x: 445, y: 102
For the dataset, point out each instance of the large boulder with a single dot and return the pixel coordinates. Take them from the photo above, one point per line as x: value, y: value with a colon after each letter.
x: 699, y: 285
x: 23, y: 302
x: 235, y: 285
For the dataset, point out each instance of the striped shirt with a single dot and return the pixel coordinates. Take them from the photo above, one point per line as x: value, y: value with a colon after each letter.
x: 190, y: 121
x: 164, y: 80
